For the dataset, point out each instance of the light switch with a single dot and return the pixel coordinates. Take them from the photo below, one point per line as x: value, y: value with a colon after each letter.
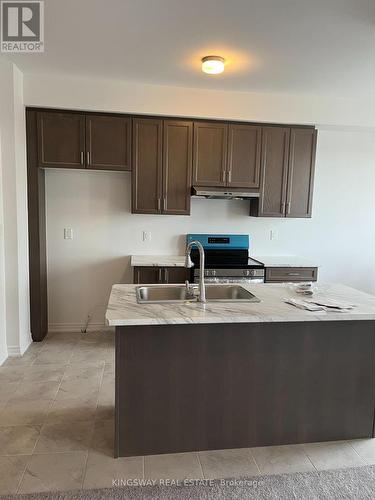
x: 274, y: 234
x: 146, y: 235
x: 68, y: 233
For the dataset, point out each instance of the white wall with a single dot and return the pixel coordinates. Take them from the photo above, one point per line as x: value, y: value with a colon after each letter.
x: 24, y: 335
x: 14, y: 323
x: 7, y: 196
x: 340, y: 236
x: 109, y: 95
x: 3, y: 342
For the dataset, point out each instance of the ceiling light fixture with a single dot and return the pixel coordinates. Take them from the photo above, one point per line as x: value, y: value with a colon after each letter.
x: 213, y: 65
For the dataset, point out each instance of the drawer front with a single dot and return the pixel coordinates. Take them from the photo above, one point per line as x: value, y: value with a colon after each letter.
x: 291, y: 274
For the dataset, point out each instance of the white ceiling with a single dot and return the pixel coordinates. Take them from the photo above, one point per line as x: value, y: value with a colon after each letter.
x: 296, y: 46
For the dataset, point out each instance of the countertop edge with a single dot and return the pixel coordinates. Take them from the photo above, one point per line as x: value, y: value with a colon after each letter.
x: 179, y: 261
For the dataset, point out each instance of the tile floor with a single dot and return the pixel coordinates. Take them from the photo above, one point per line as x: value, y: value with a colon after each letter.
x: 56, y: 428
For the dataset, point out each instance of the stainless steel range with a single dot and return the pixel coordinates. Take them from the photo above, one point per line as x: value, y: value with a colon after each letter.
x: 226, y: 259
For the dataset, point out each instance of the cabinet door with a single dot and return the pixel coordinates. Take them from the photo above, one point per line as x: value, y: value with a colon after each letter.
x: 290, y: 274
x: 274, y: 168
x: 210, y: 153
x: 175, y: 274
x: 147, y: 164
x: 61, y: 140
x: 108, y: 142
x: 177, y: 159
x: 244, y: 156
x: 301, y: 172
x: 148, y: 275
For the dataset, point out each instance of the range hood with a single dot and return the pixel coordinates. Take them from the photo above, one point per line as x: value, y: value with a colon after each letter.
x: 224, y: 193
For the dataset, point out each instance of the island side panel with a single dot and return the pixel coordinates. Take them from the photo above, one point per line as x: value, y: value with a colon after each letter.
x: 215, y: 386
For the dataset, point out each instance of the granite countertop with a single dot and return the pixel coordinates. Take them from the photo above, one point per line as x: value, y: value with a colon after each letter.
x: 179, y: 261
x: 123, y: 308
x: 157, y: 261
x: 285, y: 261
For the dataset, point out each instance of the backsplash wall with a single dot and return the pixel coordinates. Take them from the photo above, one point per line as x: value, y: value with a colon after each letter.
x: 97, y: 206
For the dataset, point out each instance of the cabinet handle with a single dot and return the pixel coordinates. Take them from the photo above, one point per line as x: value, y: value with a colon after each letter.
x: 164, y: 203
x: 159, y: 202
x: 88, y: 157
x: 230, y: 176
x: 283, y: 207
x: 82, y: 157
x: 223, y: 176
x: 160, y: 276
x: 288, y: 208
x: 165, y: 275
x: 294, y: 274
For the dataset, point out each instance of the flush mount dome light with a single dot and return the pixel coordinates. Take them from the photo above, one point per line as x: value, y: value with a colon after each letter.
x: 213, y: 65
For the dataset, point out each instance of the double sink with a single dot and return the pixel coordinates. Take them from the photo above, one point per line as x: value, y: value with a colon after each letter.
x: 158, y: 294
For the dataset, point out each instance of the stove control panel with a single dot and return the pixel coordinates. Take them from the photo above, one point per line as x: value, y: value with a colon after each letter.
x: 248, y: 272
x: 226, y: 273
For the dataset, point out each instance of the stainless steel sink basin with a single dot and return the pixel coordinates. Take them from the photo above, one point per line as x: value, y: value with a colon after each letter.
x: 229, y: 293
x: 159, y: 294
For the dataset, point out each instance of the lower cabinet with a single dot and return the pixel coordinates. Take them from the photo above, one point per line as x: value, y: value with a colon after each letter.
x: 163, y: 275
x: 176, y: 274
x: 290, y: 274
x: 159, y: 275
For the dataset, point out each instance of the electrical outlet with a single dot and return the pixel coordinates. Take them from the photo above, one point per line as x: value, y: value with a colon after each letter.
x: 146, y: 235
x: 274, y: 235
x: 68, y: 233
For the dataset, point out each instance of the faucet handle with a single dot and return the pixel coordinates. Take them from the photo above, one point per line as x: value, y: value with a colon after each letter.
x: 188, y: 262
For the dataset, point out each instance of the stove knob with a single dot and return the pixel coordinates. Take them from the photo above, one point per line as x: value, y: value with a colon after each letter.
x: 252, y: 272
x: 246, y: 272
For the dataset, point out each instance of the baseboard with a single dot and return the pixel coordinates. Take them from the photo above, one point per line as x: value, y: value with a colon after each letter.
x: 14, y: 350
x: 74, y: 327
x: 3, y: 358
x: 24, y: 348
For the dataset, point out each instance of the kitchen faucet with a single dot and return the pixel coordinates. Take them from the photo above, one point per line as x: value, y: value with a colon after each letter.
x: 189, y: 264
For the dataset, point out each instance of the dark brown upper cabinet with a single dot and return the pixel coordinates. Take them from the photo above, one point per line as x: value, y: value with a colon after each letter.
x: 61, y: 139
x: 210, y: 154
x: 108, y: 140
x: 244, y: 149
x: 287, y: 173
x: 274, y: 172
x: 162, y: 157
x: 147, y: 166
x: 78, y: 140
x: 177, y: 161
x: 301, y: 172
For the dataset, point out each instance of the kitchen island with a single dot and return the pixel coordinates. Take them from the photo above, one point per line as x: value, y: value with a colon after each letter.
x: 197, y: 376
